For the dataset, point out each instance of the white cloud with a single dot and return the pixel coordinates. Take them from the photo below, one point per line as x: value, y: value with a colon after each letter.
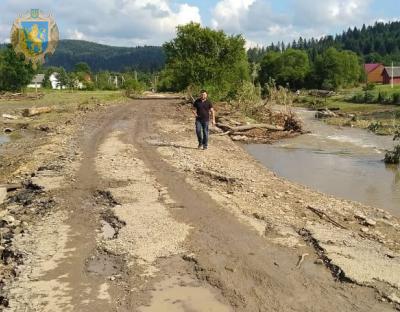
x: 76, y: 34
x: 152, y: 22
x: 331, y: 13
x: 227, y: 14
x: 117, y: 22
x: 261, y: 23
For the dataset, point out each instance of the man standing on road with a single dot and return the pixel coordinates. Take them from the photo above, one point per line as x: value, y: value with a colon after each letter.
x: 202, y: 109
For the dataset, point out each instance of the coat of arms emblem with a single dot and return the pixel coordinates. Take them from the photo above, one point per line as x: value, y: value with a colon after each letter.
x: 34, y: 35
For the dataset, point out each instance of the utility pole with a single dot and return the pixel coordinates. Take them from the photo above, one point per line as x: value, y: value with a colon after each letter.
x: 155, y: 83
x: 392, y: 82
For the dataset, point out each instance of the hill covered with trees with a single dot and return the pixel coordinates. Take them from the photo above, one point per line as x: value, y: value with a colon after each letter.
x: 376, y: 43
x: 103, y: 57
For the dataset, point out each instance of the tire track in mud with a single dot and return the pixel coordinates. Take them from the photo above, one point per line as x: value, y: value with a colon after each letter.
x: 57, y: 279
x: 151, y: 240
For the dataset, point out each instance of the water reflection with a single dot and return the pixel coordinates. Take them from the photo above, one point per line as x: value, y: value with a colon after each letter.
x: 343, y: 162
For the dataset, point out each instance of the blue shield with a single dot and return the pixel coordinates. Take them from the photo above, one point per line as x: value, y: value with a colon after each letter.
x: 35, y: 36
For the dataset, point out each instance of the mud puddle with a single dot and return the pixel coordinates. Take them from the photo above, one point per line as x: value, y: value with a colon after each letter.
x: 183, y: 294
x: 107, y: 231
x: 103, y: 264
x: 342, y: 162
x: 4, y: 139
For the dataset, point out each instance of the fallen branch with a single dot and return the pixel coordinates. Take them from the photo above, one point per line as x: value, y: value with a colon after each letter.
x: 224, y: 133
x: 323, y: 215
x: 301, y: 260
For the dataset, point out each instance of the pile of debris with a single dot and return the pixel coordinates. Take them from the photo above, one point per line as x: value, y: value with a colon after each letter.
x: 273, y: 126
x: 20, y: 96
x: 321, y: 93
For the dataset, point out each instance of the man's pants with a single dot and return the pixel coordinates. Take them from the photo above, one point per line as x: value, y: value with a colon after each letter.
x: 202, y: 132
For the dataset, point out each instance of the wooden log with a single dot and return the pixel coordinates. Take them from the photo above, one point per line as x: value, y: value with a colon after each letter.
x: 8, y: 116
x: 257, y: 126
x: 249, y: 127
x: 11, y: 187
x: 29, y: 112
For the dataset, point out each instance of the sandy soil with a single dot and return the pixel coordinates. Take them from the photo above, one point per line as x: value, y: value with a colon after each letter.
x: 125, y: 214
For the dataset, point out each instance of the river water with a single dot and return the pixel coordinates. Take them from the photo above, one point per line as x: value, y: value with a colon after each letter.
x: 345, y: 162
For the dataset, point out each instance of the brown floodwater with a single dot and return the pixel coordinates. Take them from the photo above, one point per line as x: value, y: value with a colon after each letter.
x: 344, y: 162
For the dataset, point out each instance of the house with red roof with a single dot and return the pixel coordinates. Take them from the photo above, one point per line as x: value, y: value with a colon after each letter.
x: 391, y: 73
x: 374, y: 72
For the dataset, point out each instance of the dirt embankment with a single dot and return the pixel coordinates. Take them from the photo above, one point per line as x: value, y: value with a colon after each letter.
x: 125, y: 214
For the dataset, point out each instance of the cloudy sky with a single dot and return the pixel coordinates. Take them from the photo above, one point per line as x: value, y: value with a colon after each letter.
x: 152, y: 22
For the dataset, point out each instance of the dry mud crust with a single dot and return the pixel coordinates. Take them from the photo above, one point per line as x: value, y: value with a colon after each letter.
x: 281, y: 206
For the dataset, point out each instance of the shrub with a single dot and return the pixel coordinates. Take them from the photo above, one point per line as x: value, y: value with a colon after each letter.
x: 248, y: 99
x: 396, y: 98
x: 384, y: 98
x: 358, y: 98
x: 369, y: 87
x: 133, y: 87
x: 369, y: 97
x: 393, y: 157
x: 375, y: 126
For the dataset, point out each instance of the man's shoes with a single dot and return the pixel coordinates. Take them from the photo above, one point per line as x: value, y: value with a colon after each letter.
x: 205, y: 147
x: 200, y: 146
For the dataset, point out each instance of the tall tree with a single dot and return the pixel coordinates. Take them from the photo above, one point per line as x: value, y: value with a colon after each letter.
x: 290, y: 67
x: 335, y: 69
x: 205, y: 58
x: 15, y: 74
x: 82, y: 67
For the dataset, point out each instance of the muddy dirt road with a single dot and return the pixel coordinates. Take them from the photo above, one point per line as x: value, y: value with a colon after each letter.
x: 143, y: 221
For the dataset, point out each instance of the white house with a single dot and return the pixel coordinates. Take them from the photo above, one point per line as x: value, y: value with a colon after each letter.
x: 37, y: 81
x: 55, y: 83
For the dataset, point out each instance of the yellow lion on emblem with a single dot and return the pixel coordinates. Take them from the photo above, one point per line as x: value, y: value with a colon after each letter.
x: 35, y: 38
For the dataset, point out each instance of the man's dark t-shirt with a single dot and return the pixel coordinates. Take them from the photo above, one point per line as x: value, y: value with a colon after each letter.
x: 203, y: 109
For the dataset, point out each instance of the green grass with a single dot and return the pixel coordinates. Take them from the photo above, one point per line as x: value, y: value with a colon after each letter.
x: 388, y: 116
x: 387, y: 88
x: 63, y: 102
x: 58, y: 99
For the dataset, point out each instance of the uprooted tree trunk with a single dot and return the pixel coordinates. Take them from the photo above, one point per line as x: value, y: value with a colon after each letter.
x: 231, y: 130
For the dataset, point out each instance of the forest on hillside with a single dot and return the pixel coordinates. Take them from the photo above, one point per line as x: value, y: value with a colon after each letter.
x: 102, y: 57
x: 376, y: 43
